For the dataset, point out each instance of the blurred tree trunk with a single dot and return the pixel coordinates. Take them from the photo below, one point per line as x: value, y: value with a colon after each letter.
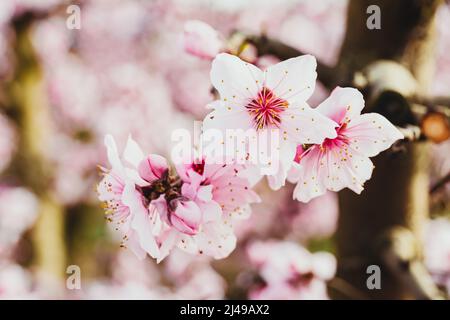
x: 397, y: 194
x: 31, y: 112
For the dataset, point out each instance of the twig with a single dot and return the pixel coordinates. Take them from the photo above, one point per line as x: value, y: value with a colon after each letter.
x: 265, y: 45
x: 441, y: 183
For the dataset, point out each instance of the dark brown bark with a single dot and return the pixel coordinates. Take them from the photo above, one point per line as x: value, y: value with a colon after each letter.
x: 397, y: 194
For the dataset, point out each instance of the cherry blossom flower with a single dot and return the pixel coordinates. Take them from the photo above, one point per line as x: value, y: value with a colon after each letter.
x: 212, y: 197
x: 201, y: 40
x: 157, y: 209
x: 15, y: 282
x: 18, y: 212
x: 269, y: 101
x: 124, y: 204
x: 289, y: 271
x: 344, y: 160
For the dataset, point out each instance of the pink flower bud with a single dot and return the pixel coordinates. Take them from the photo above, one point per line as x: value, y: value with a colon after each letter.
x: 201, y: 40
x: 153, y: 167
x: 185, y: 216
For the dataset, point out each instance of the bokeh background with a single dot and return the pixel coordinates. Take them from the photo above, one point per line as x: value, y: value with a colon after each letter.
x: 127, y: 71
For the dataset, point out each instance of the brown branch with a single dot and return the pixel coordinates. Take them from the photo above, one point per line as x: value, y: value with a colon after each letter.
x: 268, y: 46
x: 441, y: 183
x: 438, y: 101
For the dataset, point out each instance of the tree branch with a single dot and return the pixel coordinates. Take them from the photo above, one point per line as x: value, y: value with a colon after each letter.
x: 265, y: 45
x: 441, y: 183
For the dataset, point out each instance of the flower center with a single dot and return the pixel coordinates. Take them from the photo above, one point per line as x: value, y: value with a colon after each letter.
x: 168, y: 185
x: 266, y: 109
x: 199, y: 167
x: 341, y: 141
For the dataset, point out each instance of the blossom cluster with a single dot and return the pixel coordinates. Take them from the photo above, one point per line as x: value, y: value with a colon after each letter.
x: 194, y: 206
x: 156, y: 207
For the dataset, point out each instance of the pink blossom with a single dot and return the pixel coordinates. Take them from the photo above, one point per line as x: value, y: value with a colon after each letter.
x: 317, y: 218
x: 124, y: 203
x: 185, y: 216
x: 195, y: 288
x: 344, y: 160
x: 18, y: 212
x: 221, y: 195
x: 289, y: 271
x: 437, y: 250
x: 267, y: 101
x: 201, y: 40
x: 157, y: 209
x: 15, y: 282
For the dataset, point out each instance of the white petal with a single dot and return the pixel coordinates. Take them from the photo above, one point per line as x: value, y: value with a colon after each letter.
x: 324, y: 265
x: 237, y: 81
x: 133, y: 153
x: 216, y: 240
x: 372, y: 133
x: 304, y: 125
x: 293, y: 79
x: 285, y: 161
x: 310, y: 184
x: 113, y: 155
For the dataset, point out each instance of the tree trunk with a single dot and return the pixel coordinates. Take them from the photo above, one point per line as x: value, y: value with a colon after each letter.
x: 397, y: 194
x: 31, y: 112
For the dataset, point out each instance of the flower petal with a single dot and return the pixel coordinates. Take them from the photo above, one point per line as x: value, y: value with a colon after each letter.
x: 343, y: 104
x: 152, y: 167
x: 237, y: 81
x: 133, y: 153
x: 113, y: 155
x: 372, y: 133
x: 304, y: 125
x: 141, y: 220
x: 293, y: 79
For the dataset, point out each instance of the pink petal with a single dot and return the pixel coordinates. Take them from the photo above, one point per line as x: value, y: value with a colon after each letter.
x: 204, y: 193
x: 211, y: 211
x: 141, y: 220
x: 201, y: 40
x: 342, y: 105
x: 187, y: 217
x: 153, y: 167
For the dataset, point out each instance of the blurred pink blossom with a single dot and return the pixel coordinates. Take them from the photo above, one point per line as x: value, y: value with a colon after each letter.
x: 201, y: 40
x: 317, y: 218
x: 15, y: 282
x: 437, y: 250
x: 289, y: 271
x: 18, y: 212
